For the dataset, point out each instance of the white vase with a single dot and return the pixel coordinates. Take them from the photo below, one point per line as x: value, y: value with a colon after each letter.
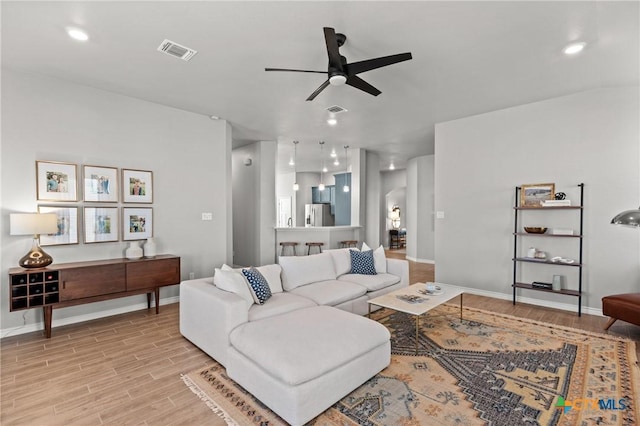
x: 150, y: 248
x: 134, y: 251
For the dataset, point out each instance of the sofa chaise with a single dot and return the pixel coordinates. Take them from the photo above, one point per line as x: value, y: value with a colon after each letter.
x: 306, y: 346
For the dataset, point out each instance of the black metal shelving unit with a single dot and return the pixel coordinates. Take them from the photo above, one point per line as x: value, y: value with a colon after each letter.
x: 517, y: 260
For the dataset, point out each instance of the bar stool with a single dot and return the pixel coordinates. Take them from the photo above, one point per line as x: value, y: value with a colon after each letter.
x: 288, y: 244
x: 317, y: 245
x: 348, y: 243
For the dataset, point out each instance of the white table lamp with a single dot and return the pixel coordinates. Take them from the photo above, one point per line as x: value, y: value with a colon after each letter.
x: 34, y: 224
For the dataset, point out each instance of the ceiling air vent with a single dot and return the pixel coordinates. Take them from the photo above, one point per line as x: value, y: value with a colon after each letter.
x: 176, y: 50
x: 336, y: 109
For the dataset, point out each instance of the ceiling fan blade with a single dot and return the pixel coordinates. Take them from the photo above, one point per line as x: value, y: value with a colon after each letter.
x: 318, y: 90
x: 359, y: 83
x: 332, y: 48
x: 371, y: 64
x: 287, y: 69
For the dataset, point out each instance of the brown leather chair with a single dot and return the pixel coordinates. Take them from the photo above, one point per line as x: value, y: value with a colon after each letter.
x: 625, y: 307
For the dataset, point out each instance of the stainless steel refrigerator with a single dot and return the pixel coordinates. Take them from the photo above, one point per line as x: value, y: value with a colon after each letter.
x: 318, y: 215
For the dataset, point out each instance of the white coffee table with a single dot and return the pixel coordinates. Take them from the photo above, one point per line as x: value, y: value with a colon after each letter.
x: 424, y: 304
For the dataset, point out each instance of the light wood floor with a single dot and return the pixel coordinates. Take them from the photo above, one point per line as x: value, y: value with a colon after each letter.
x: 126, y: 369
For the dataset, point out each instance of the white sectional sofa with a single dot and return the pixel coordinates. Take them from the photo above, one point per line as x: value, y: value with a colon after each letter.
x: 303, y: 349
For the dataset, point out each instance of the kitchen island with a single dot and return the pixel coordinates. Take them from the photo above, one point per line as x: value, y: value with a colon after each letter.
x: 330, y: 236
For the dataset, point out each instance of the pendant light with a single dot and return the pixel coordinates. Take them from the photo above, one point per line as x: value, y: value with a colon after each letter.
x: 321, y: 186
x: 346, y: 188
x: 295, y: 166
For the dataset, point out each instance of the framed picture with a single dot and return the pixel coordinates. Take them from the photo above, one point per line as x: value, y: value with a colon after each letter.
x: 56, y: 181
x: 532, y: 195
x: 100, y: 224
x: 137, y: 223
x: 137, y: 186
x: 67, y: 226
x: 100, y: 184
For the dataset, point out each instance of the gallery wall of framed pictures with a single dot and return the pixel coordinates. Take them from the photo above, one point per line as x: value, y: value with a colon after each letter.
x: 103, y: 188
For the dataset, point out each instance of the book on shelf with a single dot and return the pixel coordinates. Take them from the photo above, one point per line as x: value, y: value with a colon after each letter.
x: 556, y: 203
x: 561, y: 231
x: 538, y: 284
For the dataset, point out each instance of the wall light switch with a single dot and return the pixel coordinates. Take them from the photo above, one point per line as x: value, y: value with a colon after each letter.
x: 439, y: 215
x: 207, y: 216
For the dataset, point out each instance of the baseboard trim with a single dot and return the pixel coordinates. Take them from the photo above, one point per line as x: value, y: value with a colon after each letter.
x: 531, y: 301
x: 28, y: 328
x: 414, y: 259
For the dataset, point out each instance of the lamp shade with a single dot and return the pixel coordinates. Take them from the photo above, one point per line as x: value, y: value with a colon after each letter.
x: 628, y: 218
x: 33, y: 223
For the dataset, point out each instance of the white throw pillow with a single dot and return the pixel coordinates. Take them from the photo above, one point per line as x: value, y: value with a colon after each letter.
x: 233, y: 282
x: 301, y: 270
x: 270, y: 272
x: 341, y: 260
x: 379, y: 258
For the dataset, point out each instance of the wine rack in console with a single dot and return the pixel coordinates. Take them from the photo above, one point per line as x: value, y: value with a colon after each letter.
x: 70, y: 284
x: 34, y: 289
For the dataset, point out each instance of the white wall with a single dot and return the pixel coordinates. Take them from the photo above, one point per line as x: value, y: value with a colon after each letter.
x: 373, y: 200
x: 49, y: 119
x: 254, y: 204
x: 358, y: 168
x: 246, y: 200
x: 420, y: 209
x: 590, y: 137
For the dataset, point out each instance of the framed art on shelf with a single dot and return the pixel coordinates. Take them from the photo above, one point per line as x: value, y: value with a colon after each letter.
x: 67, y: 226
x: 532, y: 195
x: 100, y: 224
x: 137, y: 223
x: 100, y: 184
x: 137, y: 186
x: 56, y: 181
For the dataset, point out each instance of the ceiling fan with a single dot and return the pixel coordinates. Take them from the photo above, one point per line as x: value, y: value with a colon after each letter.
x: 340, y: 72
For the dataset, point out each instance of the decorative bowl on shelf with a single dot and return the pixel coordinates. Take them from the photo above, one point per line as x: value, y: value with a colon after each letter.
x: 535, y: 230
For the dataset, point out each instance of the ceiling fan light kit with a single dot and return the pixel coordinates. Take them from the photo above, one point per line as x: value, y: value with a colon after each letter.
x: 339, y: 72
x: 338, y: 79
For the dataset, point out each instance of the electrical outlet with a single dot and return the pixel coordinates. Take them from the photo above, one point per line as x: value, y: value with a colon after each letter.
x: 207, y: 216
x: 439, y: 215
x: 191, y: 275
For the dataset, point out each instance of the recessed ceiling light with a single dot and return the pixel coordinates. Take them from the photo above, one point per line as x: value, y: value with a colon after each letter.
x: 332, y: 121
x: 574, y: 48
x: 325, y: 170
x: 392, y: 167
x: 336, y: 162
x: 77, y: 34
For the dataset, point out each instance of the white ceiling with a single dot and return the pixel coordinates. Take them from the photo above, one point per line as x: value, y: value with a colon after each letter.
x: 468, y: 58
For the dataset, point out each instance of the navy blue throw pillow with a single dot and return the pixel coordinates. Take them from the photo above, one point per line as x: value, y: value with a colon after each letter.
x: 258, y: 285
x: 362, y: 262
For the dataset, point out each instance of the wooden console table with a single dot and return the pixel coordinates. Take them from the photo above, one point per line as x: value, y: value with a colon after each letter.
x: 77, y: 283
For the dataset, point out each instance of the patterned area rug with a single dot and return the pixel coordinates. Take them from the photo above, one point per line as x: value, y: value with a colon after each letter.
x: 486, y: 369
